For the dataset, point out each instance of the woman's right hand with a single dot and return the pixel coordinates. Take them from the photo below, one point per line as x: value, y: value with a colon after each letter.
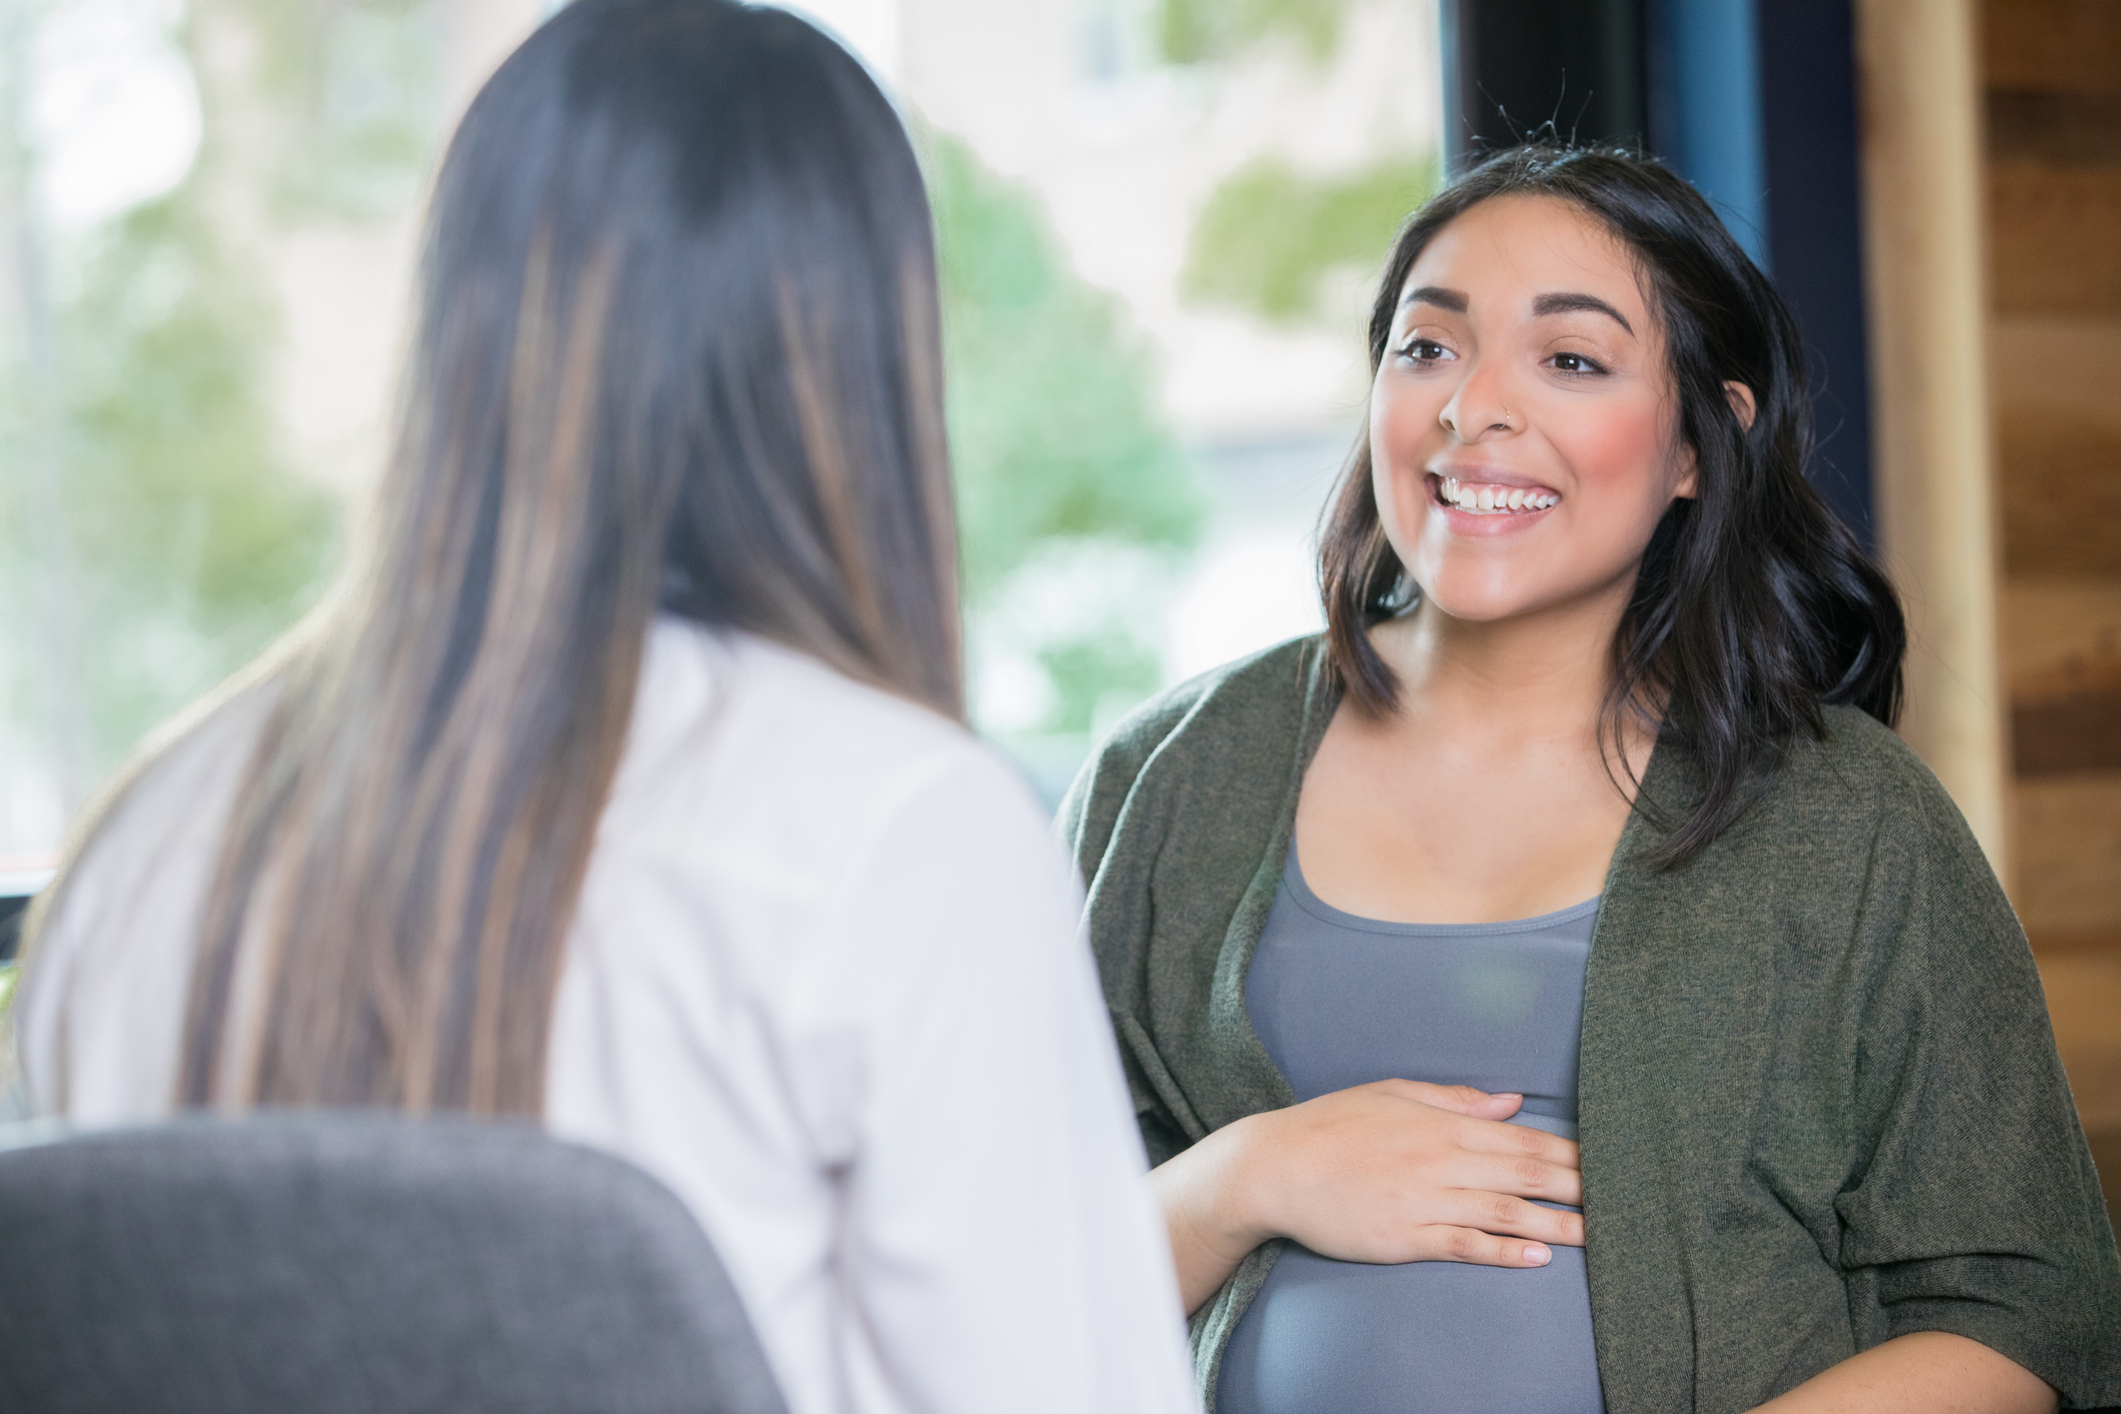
x: 1394, y: 1171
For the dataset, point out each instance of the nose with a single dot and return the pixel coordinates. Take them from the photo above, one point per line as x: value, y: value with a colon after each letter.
x: 1479, y: 406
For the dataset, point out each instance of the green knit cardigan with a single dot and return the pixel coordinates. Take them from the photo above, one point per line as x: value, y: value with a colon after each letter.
x: 1820, y: 1104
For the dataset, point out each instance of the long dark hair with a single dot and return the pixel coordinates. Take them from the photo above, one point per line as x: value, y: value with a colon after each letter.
x: 1754, y: 604
x: 678, y: 349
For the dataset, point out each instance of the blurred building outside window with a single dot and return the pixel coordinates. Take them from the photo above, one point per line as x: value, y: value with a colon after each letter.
x: 1158, y: 222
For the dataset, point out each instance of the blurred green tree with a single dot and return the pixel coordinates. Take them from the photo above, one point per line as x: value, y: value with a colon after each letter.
x: 1268, y: 232
x: 194, y: 542
x: 1205, y: 31
x: 1053, y: 424
x: 197, y: 542
x: 1054, y: 429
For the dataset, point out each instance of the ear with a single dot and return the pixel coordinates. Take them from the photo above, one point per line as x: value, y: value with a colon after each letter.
x: 1689, y: 484
x: 1741, y: 399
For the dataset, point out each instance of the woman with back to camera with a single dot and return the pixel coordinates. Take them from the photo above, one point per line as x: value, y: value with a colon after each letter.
x: 628, y: 787
x: 1585, y: 810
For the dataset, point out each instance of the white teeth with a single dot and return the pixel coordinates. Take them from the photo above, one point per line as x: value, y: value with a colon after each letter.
x: 1491, y: 499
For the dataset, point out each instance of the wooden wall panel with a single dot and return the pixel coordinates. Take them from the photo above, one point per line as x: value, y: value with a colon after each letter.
x: 2058, y: 129
x: 2061, y: 641
x: 2083, y: 997
x: 2067, y: 852
x: 2056, y: 366
x: 2061, y: 488
x: 2052, y: 239
x: 2057, y: 45
x: 2052, y: 123
x: 2055, y: 383
x: 2053, y: 623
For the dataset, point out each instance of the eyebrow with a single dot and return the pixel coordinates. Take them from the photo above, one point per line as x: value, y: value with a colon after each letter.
x: 1442, y: 298
x: 1573, y: 303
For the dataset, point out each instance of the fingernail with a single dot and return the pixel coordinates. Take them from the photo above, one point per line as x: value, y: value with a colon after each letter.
x: 1537, y: 1255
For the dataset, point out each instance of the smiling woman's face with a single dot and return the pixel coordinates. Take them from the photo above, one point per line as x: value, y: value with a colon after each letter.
x: 1523, y: 425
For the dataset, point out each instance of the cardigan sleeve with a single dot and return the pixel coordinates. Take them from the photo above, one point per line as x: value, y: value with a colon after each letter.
x: 1103, y: 822
x: 1087, y: 821
x: 1972, y: 1205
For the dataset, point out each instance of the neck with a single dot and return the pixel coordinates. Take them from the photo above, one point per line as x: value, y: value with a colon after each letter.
x: 1542, y: 674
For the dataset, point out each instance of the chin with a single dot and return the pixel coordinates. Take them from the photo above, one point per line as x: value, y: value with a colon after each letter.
x: 1478, y: 602
x: 1478, y: 583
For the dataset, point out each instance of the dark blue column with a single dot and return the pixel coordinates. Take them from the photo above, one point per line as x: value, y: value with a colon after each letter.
x: 1511, y: 67
x: 1755, y: 101
x: 1704, y: 108
x: 1815, y: 229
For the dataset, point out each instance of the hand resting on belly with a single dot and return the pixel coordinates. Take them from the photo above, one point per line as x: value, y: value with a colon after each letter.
x: 1393, y: 1171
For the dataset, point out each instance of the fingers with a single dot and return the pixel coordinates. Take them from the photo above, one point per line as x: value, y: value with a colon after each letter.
x: 1487, y: 1229
x: 1502, y: 1216
x: 1519, y: 1141
x: 1483, y: 1249
x: 1516, y: 1176
x: 1459, y: 1099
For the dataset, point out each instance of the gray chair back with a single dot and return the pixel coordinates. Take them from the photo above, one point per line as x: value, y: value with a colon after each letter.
x: 358, y: 1264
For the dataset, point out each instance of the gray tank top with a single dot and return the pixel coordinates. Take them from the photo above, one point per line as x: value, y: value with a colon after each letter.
x: 1341, y: 1000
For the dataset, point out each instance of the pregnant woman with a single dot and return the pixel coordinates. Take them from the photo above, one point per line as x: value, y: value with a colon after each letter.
x: 1584, y: 821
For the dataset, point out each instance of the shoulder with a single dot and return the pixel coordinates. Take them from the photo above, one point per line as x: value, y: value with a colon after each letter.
x: 165, y: 813
x: 1861, y: 777
x: 750, y: 756
x: 1840, y: 811
x: 1855, y: 843
x: 1262, y: 694
x: 1246, y: 708
x: 782, y: 833
x: 108, y: 960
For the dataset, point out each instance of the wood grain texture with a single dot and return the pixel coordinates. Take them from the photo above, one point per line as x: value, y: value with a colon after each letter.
x: 2061, y: 489
x: 2055, y: 623
x: 2062, y: 735
x: 2054, y: 129
x: 2067, y: 847
x: 2084, y: 1001
x: 2059, y: 942
x: 2056, y: 364
x: 2058, y: 45
x: 2061, y: 644
x: 2052, y: 246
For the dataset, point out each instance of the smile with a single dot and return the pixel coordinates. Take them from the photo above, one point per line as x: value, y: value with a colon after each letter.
x: 1484, y: 498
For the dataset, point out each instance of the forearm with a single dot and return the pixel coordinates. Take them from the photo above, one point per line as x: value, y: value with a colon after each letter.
x: 1194, y: 1192
x: 1929, y: 1372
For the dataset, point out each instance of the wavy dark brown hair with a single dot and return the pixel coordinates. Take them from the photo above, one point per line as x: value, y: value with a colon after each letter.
x: 678, y: 352
x: 1754, y: 605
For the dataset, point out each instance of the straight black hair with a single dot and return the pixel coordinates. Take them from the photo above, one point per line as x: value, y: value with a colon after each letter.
x: 677, y: 351
x: 1754, y: 605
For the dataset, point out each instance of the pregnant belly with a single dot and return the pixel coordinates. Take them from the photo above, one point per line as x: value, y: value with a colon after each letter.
x: 1326, y: 1337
